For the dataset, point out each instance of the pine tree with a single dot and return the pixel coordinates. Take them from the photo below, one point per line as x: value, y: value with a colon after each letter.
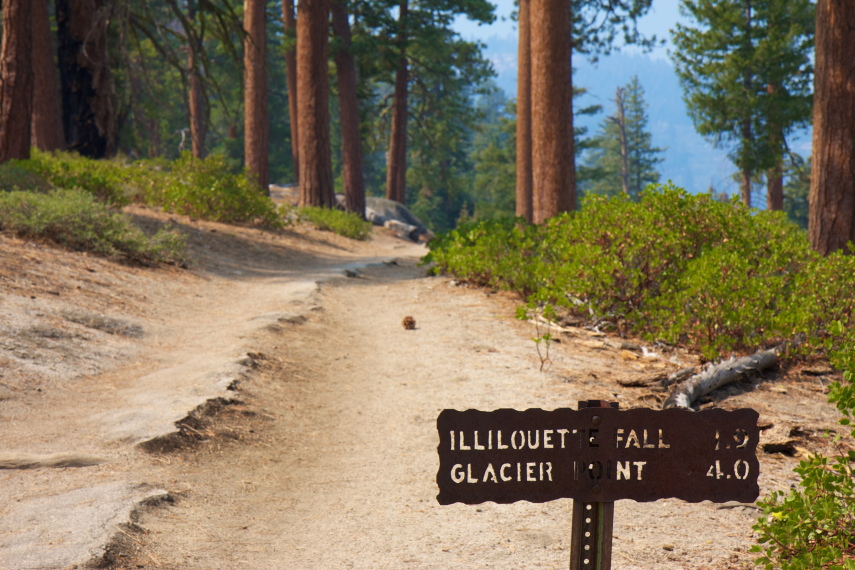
x: 354, y: 179
x: 623, y: 160
x: 257, y: 125
x: 746, y: 73
x: 546, y: 184
x: 313, y: 118
x: 47, y: 114
x: 289, y: 21
x: 88, y: 111
x: 832, y: 183
x: 16, y: 87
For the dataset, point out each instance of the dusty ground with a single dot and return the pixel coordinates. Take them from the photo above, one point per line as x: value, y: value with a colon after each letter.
x: 318, y: 449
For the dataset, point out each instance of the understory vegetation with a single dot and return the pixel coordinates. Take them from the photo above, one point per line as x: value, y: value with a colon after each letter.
x: 74, y: 219
x: 202, y: 188
x: 714, y: 276
x: 345, y: 224
x: 673, y: 267
x: 74, y: 202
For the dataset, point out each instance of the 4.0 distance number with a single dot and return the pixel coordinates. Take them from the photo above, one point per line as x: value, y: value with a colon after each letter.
x: 740, y: 470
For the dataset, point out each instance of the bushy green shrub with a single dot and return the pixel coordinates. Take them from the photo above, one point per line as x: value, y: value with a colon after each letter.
x: 206, y: 189
x: 494, y: 253
x: 105, y: 179
x: 15, y: 177
x: 345, y: 224
x: 74, y: 219
x: 674, y: 266
x: 813, y: 526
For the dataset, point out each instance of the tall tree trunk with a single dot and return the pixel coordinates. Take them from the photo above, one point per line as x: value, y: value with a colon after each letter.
x: 624, y: 145
x: 832, y: 186
x: 747, y: 135
x: 88, y: 117
x: 256, y: 130
x: 396, y: 163
x: 553, y: 168
x: 47, y: 114
x: 198, y: 118
x: 745, y: 186
x: 523, y: 143
x: 290, y: 23
x: 354, y: 183
x: 16, y: 80
x: 775, y: 187
x: 775, y: 175
x: 313, y: 115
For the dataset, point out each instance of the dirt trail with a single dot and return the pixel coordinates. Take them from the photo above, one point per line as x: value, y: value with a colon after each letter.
x: 338, y: 468
x: 319, y: 451
x: 98, y: 357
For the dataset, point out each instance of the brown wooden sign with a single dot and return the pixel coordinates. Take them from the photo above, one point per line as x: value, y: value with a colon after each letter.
x: 597, y: 455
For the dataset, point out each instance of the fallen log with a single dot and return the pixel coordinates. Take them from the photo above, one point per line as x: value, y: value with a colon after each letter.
x: 721, y: 374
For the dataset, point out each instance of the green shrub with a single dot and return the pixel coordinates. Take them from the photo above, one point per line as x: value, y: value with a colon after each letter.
x: 105, y: 179
x: 345, y: 224
x: 74, y: 219
x: 206, y: 189
x: 13, y: 176
x: 675, y: 267
x: 813, y: 526
x: 494, y: 253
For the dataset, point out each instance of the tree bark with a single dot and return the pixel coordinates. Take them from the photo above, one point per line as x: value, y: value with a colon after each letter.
x: 553, y: 168
x: 775, y: 175
x: 523, y: 143
x: 313, y: 118
x: 290, y: 23
x: 88, y: 117
x: 747, y: 134
x: 354, y: 183
x: 745, y: 187
x: 832, y: 188
x: 396, y: 163
x: 624, y: 146
x: 256, y: 130
x: 775, y: 187
x: 47, y: 114
x: 16, y: 80
x: 198, y: 118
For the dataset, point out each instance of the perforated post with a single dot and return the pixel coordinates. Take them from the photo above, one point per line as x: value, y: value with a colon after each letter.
x: 591, y: 538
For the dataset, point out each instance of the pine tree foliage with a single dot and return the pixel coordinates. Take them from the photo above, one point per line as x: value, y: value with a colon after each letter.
x: 746, y: 71
x: 623, y: 158
x: 597, y: 24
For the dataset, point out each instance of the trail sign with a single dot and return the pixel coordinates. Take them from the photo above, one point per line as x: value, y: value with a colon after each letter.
x: 597, y: 454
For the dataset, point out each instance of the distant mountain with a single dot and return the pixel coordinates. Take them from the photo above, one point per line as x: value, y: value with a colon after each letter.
x: 690, y: 161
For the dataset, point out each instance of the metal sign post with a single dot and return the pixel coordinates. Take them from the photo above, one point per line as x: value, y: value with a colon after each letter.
x: 596, y: 455
x: 593, y: 523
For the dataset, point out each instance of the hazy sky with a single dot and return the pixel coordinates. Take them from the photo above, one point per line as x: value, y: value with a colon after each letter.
x: 661, y: 18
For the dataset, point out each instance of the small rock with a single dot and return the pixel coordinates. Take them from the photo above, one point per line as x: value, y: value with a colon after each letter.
x: 409, y: 323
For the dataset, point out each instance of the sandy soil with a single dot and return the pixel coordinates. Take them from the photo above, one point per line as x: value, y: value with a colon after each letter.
x: 323, y: 453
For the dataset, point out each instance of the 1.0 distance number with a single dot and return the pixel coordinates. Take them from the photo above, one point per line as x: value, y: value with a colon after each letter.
x: 740, y: 470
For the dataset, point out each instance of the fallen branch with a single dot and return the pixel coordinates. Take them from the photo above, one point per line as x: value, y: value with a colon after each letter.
x: 721, y: 374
